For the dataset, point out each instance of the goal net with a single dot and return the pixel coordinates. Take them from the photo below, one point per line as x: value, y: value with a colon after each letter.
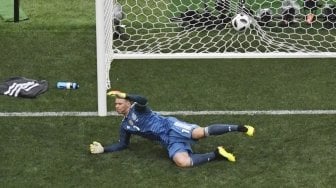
x: 147, y: 29
x: 154, y: 27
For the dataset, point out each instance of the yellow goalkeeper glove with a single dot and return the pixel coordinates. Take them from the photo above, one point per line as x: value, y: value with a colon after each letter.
x: 96, y: 148
x: 118, y: 94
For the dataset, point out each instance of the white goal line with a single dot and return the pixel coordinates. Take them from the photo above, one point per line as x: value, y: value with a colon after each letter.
x: 243, y: 112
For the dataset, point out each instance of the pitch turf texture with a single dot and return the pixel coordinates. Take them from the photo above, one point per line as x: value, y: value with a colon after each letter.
x: 58, y: 43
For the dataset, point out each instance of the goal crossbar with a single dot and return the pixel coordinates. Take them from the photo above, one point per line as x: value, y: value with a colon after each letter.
x: 224, y: 55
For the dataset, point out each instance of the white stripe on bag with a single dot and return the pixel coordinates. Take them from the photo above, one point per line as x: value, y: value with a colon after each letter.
x: 15, y: 88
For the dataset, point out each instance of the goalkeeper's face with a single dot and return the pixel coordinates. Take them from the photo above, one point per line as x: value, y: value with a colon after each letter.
x: 122, y: 106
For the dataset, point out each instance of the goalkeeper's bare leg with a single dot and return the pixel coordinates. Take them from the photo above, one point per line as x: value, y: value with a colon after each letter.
x: 185, y: 159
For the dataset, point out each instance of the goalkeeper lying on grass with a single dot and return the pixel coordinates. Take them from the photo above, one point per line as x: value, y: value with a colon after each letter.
x: 174, y: 135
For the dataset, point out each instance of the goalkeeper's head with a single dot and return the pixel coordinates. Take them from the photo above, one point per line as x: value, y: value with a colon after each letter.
x: 122, y: 106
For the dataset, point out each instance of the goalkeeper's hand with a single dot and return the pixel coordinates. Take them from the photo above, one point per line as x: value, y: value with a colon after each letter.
x: 96, y: 148
x: 118, y: 94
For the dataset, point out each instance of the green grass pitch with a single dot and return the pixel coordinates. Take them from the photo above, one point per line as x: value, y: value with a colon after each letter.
x: 58, y: 43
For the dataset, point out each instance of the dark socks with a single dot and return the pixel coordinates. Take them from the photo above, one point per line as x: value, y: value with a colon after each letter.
x: 242, y: 128
x: 197, y: 159
x: 218, y: 129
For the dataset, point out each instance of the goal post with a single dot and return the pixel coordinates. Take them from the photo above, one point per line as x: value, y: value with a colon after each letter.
x: 104, y: 51
x: 189, y: 29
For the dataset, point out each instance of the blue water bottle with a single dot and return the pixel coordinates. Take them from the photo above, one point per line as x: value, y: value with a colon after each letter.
x: 67, y: 85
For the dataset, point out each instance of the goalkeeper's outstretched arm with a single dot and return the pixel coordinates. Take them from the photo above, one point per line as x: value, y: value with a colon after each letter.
x: 122, y: 144
x: 122, y: 107
x: 97, y: 148
x: 140, y: 101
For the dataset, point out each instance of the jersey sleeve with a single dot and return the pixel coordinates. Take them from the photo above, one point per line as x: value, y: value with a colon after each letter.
x: 122, y: 144
x: 140, y: 102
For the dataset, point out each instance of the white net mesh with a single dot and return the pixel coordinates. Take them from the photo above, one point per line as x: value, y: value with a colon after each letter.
x: 204, y: 26
x: 108, y: 37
